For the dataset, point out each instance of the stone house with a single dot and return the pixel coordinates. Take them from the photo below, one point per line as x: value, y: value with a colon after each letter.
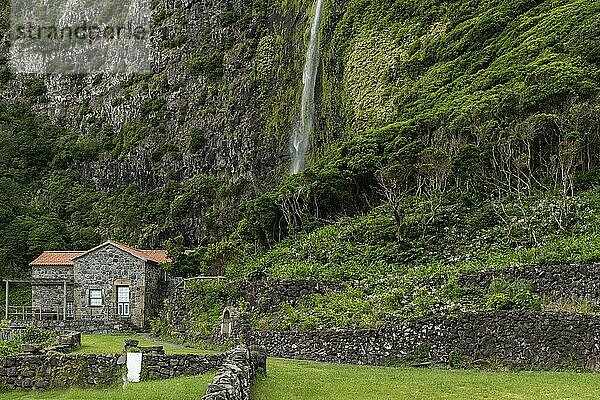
x: 111, y: 282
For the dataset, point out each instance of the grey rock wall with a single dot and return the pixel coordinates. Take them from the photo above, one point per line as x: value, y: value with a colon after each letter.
x: 262, y: 296
x: 515, y: 338
x: 83, y: 326
x: 236, y: 374
x: 57, y: 370
x: 41, y: 371
x: 269, y: 294
x: 554, y: 281
x: 50, y: 297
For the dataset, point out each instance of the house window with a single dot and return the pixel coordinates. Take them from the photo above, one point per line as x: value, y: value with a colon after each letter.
x: 95, y: 297
x: 69, y: 309
x: 123, y: 300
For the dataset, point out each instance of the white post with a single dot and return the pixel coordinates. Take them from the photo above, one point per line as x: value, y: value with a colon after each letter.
x: 6, y: 301
x: 64, y: 300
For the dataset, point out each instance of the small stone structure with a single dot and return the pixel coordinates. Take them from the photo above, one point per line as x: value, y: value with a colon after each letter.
x: 263, y: 295
x: 111, y: 282
x: 236, y: 374
x: 229, y: 321
x: 514, y: 338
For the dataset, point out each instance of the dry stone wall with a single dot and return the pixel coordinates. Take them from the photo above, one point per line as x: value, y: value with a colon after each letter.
x: 268, y: 295
x: 261, y: 296
x: 173, y: 365
x: 236, y: 374
x: 83, y: 326
x: 514, y: 338
x: 41, y: 371
x: 554, y: 281
x: 58, y: 370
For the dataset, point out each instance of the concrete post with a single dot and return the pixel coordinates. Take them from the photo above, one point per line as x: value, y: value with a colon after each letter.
x: 6, y: 300
x: 64, y: 300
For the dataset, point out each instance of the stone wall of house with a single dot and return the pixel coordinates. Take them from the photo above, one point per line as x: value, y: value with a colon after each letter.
x: 104, y: 269
x: 235, y: 375
x: 156, y: 290
x: 50, y: 296
x: 554, y: 281
x: 514, y: 338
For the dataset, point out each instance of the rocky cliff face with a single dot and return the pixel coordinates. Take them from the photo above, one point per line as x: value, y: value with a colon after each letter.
x: 201, y: 111
x: 219, y: 102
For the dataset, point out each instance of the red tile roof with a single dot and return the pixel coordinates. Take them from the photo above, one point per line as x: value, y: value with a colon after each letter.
x: 56, y: 258
x: 67, y: 257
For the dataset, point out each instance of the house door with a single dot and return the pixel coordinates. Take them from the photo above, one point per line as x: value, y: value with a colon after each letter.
x: 123, y: 300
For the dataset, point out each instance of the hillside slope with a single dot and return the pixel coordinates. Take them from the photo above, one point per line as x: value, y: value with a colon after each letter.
x: 455, y: 137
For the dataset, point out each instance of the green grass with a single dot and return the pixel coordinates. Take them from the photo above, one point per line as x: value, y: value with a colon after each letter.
x: 289, y: 380
x: 113, y: 343
x: 184, y: 388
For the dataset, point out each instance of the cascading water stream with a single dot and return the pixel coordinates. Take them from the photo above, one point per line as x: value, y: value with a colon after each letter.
x: 303, y: 128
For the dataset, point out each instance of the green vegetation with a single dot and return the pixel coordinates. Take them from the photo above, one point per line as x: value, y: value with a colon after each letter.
x: 469, y: 142
x: 31, y: 335
x: 113, y: 343
x: 289, y: 380
x: 185, y: 388
x: 210, y: 65
x: 451, y: 137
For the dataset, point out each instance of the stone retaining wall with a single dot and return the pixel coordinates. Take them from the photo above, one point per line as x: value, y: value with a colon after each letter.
x: 554, y: 281
x: 515, y: 338
x: 236, y: 374
x: 83, y: 326
x: 269, y: 294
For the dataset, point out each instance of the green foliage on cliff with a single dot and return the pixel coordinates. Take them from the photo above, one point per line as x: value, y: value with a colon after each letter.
x: 470, y: 140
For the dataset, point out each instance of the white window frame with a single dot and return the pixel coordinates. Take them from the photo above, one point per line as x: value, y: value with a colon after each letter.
x: 95, y: 298
x: 123, y: 307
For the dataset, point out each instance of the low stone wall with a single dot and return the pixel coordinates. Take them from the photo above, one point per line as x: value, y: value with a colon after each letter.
x: 173, y: 365
x: 83, y: 326
x: 41, y: 371
x: 59, y: 370
x: 236, y: 374
x: 514, y: 338
x: 554, y: 281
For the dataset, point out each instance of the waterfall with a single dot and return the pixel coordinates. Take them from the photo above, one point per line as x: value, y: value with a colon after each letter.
x: 303, y: 128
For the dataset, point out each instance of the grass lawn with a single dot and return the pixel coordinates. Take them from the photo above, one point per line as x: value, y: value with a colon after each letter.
x: 293, y: 380
x: 113, y: 343
x: 186, y: 388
